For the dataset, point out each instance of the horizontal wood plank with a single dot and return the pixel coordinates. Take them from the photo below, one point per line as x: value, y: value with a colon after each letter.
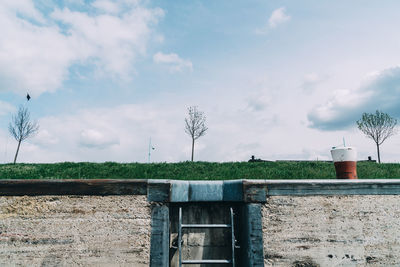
x: 73, y: 187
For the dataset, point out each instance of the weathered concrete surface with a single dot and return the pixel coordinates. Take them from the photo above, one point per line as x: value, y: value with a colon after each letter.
x: 159, y: 249
x: 251, y: 235
x: 332, y: 230
x: 74, y: 231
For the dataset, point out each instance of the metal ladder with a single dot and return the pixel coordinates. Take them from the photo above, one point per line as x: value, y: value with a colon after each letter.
x: 221, y: 261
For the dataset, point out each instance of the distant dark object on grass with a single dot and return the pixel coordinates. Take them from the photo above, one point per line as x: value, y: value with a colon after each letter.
x: 368, y: 160
x: 253, y: 159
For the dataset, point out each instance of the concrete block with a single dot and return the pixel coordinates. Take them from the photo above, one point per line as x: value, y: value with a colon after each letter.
x: 254, y: 191
x: 159, y: 248
x: 179, y: 191
x: 251, y: 236
x: 158, y: 190
x: 206, y: 191
x: 233, y: 190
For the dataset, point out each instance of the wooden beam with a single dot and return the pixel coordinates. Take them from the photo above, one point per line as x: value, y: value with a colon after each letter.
x: 73, y: 187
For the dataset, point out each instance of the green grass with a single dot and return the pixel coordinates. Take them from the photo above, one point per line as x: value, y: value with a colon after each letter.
x: 192, y: 170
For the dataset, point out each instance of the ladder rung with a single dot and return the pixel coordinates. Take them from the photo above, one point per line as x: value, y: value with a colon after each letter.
x: 206, y: 226
x: 181, y: 226
x: 206, y: 261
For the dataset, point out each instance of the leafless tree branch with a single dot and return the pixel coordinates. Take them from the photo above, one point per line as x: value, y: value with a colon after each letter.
x: 195, y: 125
x: 21, y: 127
x: 378, y: 127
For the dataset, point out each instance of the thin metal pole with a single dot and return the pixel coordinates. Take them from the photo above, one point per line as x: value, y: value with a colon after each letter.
x: 233, y: 238
x: 180, y: 237
x: 149, y: 149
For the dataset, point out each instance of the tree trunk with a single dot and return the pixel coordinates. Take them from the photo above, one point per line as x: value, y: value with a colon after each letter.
x: 379, y: 154
x: 16, y: 153
x: 192, y: 148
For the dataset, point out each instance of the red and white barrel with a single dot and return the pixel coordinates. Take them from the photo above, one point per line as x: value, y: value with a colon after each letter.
x: 345, y: 160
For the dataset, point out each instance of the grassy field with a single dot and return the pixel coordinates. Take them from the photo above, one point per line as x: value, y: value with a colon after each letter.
x: 192, y: 170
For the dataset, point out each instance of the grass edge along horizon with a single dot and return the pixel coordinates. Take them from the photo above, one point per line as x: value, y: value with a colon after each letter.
x: 193, y: 170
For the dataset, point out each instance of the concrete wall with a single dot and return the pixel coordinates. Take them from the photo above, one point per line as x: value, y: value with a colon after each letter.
x: 74, y: 230
x: 291, y: 222
x: 358, y: 230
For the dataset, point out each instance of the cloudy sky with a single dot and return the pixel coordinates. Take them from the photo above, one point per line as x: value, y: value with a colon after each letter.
x: 276, y: 79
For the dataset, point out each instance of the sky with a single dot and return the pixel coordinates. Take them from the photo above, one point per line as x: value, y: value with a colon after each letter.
x: 281, y: 80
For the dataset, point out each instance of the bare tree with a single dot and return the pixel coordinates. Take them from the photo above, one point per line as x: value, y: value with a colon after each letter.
x: 378, y: 127
x: 21, y: 127
x: 195, y: 125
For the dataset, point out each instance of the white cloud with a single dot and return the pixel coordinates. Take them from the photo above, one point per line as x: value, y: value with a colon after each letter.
x: 6, y: 108
x: 236, y: 132
x: 259, y: 100
x: 173, y: 61
x: 107, y: 6
x: 75, y: 2
x: 25, y: 8
x: 113, y: 41
x: 45, y: 138
x: 278, y: 17
x: 121, y: 133
x: 380, y: 90
x: 311, y: 81
x: 115, y: 6
x: 97, y: 138
x: 311, y: 78
x: 37, y: 50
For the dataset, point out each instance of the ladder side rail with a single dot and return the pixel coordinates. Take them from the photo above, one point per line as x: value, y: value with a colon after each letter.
x: 233, y: 237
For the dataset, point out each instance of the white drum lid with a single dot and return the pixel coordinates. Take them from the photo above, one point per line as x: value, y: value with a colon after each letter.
x: 347, y: 153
